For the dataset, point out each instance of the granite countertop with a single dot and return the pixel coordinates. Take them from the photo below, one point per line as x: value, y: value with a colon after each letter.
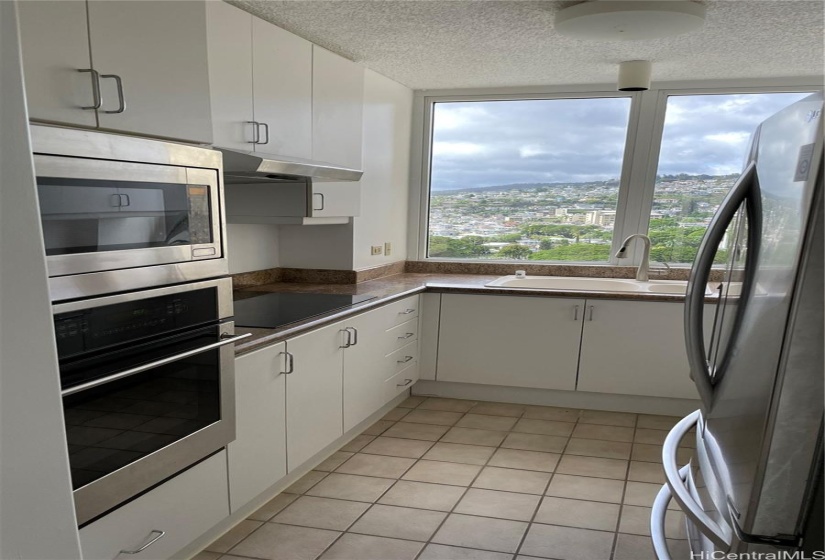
x: 398, y: 286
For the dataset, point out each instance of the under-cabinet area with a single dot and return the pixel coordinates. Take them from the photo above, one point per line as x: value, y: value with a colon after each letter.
x: 591, y: 345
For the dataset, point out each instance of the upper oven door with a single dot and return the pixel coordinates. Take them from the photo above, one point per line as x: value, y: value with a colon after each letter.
x: 102, y: 215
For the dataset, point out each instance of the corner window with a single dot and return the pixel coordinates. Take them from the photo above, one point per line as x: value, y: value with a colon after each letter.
x: 528, y: 179
x: 704, y: 144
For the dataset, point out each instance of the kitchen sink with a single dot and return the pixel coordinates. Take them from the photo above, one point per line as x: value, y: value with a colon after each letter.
x: 590, y: 284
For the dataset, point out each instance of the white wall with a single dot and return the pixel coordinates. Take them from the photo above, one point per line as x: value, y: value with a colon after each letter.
x: 36, y: 508
x: 316, y: 246
x: 252, y: 247
x: 385, y: 184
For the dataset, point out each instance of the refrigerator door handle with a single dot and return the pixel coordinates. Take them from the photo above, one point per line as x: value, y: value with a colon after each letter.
x: 721, y: 536
x: 657, y: 518
x: 698, y: 281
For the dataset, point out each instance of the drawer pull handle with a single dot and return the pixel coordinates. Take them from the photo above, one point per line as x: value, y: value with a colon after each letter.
x: 405, y: 360
x: 158, y: 535
x: 289, y: 363
x: 406, y: 336
x: 407, y: 312
x: 406, y: 382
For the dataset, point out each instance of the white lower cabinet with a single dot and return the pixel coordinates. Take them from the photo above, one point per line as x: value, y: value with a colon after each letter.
x: 369, y: 364
x: 314, y: 392
x: 636, y: 348
x: 257, y: 457
x: 172, y: 516
x: 509, y: 340
x: 594, y: 345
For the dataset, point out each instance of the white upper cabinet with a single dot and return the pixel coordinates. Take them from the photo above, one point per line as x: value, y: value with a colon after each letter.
x: 150, y: 56
x: 157, y: 49
x: 337, y: 109
x: 230, y: 75
x: 282, y: 69
x: 55, y: 44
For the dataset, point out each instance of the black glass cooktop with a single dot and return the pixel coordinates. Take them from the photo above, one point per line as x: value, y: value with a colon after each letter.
x: 273, y: 310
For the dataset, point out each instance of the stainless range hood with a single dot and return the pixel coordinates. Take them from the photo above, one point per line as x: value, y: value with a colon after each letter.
x: 247, y: 167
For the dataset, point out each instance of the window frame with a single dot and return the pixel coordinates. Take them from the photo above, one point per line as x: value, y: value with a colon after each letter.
x: 637, y: 182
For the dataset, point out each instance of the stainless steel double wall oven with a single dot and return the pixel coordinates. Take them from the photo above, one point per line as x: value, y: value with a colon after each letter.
x: 136, y: 253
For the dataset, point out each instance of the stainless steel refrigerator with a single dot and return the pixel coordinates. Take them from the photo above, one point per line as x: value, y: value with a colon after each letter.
x: 754, y: 483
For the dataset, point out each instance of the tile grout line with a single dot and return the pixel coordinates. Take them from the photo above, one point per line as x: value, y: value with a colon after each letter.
x: 624, y: 494
x: 546, y: 488
x: 466, y: 489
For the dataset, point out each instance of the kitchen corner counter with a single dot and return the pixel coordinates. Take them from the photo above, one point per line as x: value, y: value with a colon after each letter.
x: 390, y: 288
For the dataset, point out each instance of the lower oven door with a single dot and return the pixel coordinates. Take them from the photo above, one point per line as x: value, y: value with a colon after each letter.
x: 145, y: 412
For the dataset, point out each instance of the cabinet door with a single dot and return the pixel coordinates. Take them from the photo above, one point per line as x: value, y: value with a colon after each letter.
x: 635, y: 348
x: 229, y: 32
x: 365, y: 368
x: 158, y: 49
x: 314, y: 393
x: 282, y: 68
x: 257, y: 457
x: 337, y: 109
x: 184, y: 508
x: 336, y: 199
x: 54, y: 36
x: 509, y: 341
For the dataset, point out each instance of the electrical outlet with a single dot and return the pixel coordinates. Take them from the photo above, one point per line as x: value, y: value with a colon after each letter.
x: 376, y: 250
x: 387, y: 248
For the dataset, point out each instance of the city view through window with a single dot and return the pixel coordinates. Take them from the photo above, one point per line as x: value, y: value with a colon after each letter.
x: 539, y: 179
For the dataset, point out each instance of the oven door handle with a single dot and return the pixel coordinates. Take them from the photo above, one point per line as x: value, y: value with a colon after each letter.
x: 226, y: 339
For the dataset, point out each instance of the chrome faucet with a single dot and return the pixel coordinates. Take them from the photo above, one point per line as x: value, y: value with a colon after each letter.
x: 641, y: 272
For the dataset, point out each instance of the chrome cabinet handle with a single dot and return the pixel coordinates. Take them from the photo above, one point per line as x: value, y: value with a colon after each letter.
x: 406, y: 382
x: 121, y: 100
x: 97, y: 98
x: 266, y: 130
x: 126, y: 198
x: 590, y: 313
x: 575, y: 312
x: 289, y: 362
x: 407, y: 312
x: 158, y: 535
x: 348, y: 341
x: 720, y: 535
x: 115, y: 201
x: 406, y: 336
x: 354, y: 335
x: 323, y: 201
x: 226, y: 339
x: 745, y: 188
x: 256, y: 132
x: 405, y: 360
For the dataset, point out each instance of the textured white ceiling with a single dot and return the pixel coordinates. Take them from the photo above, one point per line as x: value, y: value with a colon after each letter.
x: 435, y: 44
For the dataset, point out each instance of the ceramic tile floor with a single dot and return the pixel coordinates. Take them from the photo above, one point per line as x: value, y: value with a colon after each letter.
x: 447, y: 479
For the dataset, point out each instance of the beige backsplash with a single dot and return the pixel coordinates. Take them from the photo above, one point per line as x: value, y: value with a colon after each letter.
x: 325, y: 276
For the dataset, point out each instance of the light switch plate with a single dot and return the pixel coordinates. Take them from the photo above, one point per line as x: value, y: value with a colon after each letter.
x: 376, y: 250
x: 387, y: 248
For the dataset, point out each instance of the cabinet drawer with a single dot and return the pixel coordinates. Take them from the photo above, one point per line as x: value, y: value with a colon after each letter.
x: 398, y: 312
x: 401, y: 381
x: 401, y: 335
x: 402, y: 358
x: 185, y: 507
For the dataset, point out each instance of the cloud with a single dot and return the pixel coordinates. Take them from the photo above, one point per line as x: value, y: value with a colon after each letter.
x: 489, y: 143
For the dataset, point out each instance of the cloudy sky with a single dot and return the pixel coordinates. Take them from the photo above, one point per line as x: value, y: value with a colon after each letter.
x: 490, y: 143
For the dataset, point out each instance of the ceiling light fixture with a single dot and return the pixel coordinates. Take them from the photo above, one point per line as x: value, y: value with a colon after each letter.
x: 618, y: 20
x: 634, y: 75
